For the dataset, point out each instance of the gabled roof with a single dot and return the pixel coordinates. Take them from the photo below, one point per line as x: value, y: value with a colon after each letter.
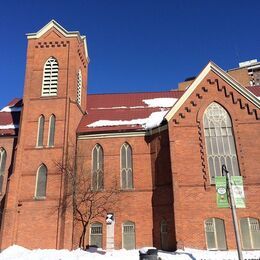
x: 222, y: 74
x: 63, y: 31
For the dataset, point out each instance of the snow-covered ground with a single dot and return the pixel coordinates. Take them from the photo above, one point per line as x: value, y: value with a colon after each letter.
x: 19, y: 253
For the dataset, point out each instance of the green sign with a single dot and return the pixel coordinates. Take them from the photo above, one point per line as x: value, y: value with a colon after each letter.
x: 221, y: 187
x: 238, y: 191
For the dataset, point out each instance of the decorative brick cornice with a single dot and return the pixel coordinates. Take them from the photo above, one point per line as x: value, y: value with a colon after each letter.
x: 52, y: 44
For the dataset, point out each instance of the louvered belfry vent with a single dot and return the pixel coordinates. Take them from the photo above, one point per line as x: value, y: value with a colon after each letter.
x: 50, y: 77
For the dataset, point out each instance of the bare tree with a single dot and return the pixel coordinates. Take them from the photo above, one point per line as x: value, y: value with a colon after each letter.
x: 88, y: 203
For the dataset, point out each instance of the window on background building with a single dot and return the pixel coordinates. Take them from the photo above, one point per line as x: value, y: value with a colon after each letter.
x: 41, y: 121
x: 41, y: 182
x: 51, y: 130
x: 220, y: 143
x: 2, y: 167
x: 215, y: 234
x: 96, y: 231
x: 164, y: 234
x: 97, y: 168
x: 126, y: 167
x: 129, y: 235
x: 79, y: 87
x: 50, y: 77
x: 250, y: 232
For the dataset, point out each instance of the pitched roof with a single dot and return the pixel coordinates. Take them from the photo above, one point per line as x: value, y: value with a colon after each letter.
x: 10, y: 118
x: 125, y: 112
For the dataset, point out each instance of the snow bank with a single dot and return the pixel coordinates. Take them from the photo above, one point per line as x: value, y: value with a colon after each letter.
x: 19, y: 253
x: 11, y: 126
x: 160, y: 102
x: 11, y: 109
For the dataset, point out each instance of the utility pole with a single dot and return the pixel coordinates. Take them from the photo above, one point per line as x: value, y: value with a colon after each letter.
x: 226, y: 173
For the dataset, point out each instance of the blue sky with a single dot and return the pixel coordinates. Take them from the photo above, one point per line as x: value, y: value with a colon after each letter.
x: 134, y: 45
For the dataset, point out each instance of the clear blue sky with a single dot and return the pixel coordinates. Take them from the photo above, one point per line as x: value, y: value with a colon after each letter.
x: 134, y: 45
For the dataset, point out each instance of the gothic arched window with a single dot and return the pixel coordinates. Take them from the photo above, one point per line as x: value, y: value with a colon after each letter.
x: 220, y: 141
x: 79, y: 87
x: 126, y: 167
x: 41, y: 182
x: 50, y: 77
x: 97, y: 168
x: 2, y: 167
x: 41, y: 121
x: 51, y: 130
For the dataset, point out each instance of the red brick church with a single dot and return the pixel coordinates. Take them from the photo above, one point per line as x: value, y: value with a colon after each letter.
x: 164, y: 149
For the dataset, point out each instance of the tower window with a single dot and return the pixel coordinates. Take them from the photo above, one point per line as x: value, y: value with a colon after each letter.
x: 2, y: 167
x: 41, y: 121
x: 41, y: 182
x: 50, y: 77
x: 51, y: 131
x: 79, y: 87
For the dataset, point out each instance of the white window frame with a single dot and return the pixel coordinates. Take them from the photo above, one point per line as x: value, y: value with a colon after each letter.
x: 49, y: 132
x: 48, y: 91
x: 99, y: 170
x: 121, y: 168
x: 125, y: 223
x: 38, y: 132
x: 36, y: 184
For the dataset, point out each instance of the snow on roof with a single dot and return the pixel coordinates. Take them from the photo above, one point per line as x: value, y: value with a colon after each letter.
x: 152, y: 121
x: 11, y: 109
x: 10, y: 126
x: 160, y: 102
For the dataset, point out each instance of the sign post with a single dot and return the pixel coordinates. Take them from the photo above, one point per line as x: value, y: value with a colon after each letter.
x: 233, y: 210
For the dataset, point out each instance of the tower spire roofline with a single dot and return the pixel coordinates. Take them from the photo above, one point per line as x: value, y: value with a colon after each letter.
x: 63, y: 31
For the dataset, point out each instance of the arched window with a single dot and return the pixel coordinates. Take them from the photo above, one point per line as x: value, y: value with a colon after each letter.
x: 126, y: 167
x: 220, y: 141
x: 250, y: 232
x: 41, y: 182
x: 97, y: 168
x: 41, y: 121
x: 164, y: 234
x: 128, y: 235
x: 51, y: 130
x: 79, y: 87
x: 50, y: 77
x: 215, y: 234
x: 96, y: 233
x: 2, y: 167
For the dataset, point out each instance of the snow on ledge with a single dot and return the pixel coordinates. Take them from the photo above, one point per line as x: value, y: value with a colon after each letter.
x: 160, y: 102
x: 11, y: 126
x: 11, y: 109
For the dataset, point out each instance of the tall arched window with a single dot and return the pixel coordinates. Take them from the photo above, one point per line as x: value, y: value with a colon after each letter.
x: 41, y: 182
x: 126, y: 167
x: 97, y: 168
x: 220, y: 142
x: 96, y: 233
x: 79, y: 87
x: 215, y: 234
x: 128, y: 235
x: 50, y: 77
x: 51, y: 130
x: 41, y: 121
x: 250, y: 232
x: 2, y: 167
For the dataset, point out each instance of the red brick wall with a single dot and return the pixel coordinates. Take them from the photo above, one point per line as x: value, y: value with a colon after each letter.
x: 21, y: 208
x: 194, y: 197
